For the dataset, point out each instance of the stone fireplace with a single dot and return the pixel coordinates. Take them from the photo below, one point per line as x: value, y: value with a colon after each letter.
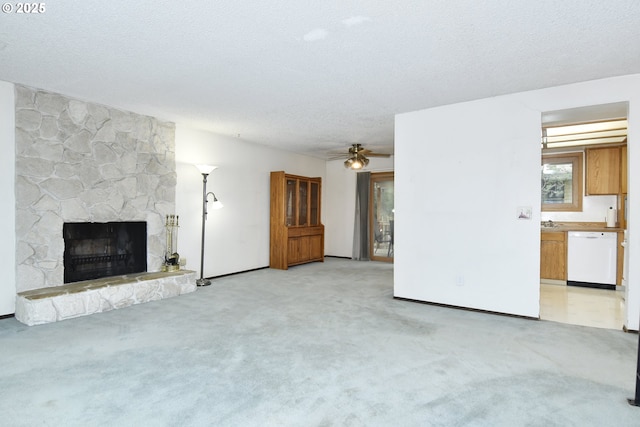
x: 105, y: 180
x: 79, y: 162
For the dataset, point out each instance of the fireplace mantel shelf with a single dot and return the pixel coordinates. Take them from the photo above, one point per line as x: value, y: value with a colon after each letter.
x: 56, y: 303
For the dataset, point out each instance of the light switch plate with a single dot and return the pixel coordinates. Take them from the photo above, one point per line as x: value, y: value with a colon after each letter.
x: 524, y: 212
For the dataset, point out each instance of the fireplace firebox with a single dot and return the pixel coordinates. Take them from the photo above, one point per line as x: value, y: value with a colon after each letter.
x: 94, y: 250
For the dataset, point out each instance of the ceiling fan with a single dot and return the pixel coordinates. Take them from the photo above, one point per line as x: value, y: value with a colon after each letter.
x: 357, y: 156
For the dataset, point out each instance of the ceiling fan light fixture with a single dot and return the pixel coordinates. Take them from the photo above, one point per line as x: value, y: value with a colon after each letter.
x: 357, y: 157
x: 361, y: 162
x: 349, y: 162
x: 358, y: 161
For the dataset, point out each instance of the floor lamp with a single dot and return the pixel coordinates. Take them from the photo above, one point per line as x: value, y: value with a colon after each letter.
x: 205, y: 170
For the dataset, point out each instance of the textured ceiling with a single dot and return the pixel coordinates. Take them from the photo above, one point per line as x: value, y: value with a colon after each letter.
x: 312, y: 78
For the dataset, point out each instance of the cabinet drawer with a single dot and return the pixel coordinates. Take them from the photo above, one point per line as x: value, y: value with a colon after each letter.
x: 305, y: 231
x: 558, y: 236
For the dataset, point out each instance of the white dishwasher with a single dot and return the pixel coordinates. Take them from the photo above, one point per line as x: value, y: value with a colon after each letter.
x: 591, y: 259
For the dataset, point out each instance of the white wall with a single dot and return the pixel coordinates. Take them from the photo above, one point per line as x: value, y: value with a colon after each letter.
x: 237, y: 236
x: 462, y: 172
x: 7, y: 215
x: 339, y: 203
x: 473, y: 164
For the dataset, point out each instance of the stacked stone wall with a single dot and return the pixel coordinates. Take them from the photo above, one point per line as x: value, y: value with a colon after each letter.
x: 77, y: 162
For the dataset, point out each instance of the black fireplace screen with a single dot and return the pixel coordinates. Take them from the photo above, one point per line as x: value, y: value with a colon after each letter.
x: 93, y: 250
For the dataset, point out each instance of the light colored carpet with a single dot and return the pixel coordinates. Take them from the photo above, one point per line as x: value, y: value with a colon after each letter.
x: 319, y: 345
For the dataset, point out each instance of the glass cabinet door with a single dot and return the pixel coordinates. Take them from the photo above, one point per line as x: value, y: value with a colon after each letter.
x: 314, y: 204
x: 303, y: 193
x: 291, y: 202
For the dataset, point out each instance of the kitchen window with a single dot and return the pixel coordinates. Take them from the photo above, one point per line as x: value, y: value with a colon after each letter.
x: 562, y: 182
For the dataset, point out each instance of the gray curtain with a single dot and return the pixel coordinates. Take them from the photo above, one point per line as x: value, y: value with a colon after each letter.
x: 361, y: 224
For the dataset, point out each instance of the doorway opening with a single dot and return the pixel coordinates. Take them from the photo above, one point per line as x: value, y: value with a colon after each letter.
x: 381, y: 217
x: 583, y: 180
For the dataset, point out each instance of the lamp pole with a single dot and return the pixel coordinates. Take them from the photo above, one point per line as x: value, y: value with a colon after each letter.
x: 636, y: 398
x: 202, y: 281
x: 205, y: 170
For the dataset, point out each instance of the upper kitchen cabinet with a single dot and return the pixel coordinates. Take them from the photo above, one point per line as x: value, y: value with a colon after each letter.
x: 603, y: 170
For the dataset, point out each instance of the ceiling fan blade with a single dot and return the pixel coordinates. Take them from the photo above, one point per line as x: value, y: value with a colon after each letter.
x: 354, y: 151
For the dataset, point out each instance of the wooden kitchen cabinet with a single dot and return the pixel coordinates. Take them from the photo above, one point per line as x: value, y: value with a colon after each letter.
x: 553, y: 255
x: 620, y: 259
x: 297, y: 234
x: 603, y: 170
x: 623, y: 169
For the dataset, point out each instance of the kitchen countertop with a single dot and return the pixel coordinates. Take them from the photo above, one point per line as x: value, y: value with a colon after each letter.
x: 579, y: 226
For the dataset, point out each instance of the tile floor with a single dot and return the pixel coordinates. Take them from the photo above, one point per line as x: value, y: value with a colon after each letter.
x: 599, y: 308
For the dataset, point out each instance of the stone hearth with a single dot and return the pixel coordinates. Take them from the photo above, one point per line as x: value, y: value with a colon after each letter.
x: 77, y: 299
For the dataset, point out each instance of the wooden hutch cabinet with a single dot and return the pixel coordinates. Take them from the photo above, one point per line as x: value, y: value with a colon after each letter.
x: 297, y: 236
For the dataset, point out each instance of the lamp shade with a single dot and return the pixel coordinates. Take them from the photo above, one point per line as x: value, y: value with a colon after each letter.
x: 216, y: 204
x: 206, y: 169
x: 356, y: 162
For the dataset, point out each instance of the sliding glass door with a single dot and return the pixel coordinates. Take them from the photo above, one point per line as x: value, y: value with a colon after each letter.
x: 381, y: 217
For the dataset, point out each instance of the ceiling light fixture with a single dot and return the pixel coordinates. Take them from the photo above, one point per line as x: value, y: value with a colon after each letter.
x: 580, y: 134
x: 356, y: 162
